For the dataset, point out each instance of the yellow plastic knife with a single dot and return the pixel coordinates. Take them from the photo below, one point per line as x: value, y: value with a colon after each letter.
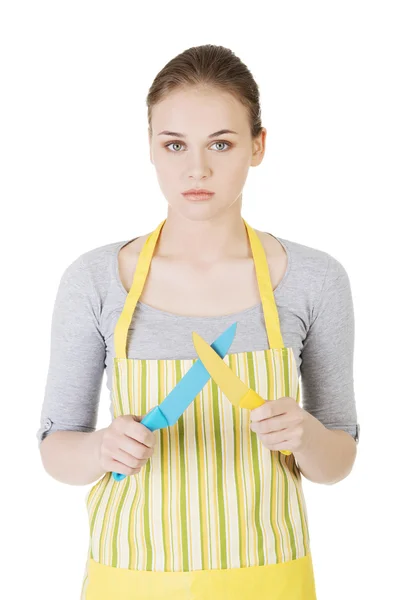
x: 233, y: 387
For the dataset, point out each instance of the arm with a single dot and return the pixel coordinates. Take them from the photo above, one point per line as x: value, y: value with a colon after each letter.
x: 329, y: 455
x: 327, y: 383
x: 67, y: 436
x: 72, y: 456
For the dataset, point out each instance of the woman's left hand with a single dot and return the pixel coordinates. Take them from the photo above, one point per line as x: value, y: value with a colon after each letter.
x: 282, y: 424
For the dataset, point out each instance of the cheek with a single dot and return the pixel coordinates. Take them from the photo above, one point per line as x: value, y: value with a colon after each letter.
x: 169, y: 179
x: 236, y: 173
x: 166, y: 166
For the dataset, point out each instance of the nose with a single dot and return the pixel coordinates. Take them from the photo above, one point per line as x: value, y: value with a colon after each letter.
x: 198, y: 166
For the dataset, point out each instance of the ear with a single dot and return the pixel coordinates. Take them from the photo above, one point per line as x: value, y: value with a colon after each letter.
x: 259, y: 148
x: 150, y: 140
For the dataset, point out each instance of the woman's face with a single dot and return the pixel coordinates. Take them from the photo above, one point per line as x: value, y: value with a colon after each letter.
x: 192, y: 159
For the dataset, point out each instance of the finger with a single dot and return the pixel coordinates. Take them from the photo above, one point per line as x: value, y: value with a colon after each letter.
x: 280, y: 447
x: 269, y: 425
x: 127, y: 459
x: 120, y: 467
x: 141, y: 433
x: 277, y: 437
x: 135, y: 448
x: 270, y: 409
x: 280, y: 406
x: 287, y: 420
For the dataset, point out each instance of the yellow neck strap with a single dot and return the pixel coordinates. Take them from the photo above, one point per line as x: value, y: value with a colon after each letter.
x: 271, y: 316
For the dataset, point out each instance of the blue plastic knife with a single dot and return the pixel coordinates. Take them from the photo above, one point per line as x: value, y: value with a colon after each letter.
x: 173, y: 406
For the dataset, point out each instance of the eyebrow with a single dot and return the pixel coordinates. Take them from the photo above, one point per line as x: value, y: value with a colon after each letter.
x: 182, y: 135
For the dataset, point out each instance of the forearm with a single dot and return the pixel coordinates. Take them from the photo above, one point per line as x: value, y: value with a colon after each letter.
x: 72, y: 456
x: 328, y: 456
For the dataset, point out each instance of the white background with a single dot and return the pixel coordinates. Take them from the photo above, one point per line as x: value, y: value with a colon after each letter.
x: 76, y: 174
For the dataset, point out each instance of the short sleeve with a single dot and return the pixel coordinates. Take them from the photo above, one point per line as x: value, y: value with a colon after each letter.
x: 77, y: 356
x: 327, y: 381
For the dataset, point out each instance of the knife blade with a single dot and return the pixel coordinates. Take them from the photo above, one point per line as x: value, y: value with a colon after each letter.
x: 237, y: 392
x: 180, y: 397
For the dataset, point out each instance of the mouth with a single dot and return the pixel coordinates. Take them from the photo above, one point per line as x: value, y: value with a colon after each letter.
x: 198, y: 196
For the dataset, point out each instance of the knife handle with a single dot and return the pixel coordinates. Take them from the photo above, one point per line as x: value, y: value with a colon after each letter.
x: 253, y: 400
x: 153, y: 420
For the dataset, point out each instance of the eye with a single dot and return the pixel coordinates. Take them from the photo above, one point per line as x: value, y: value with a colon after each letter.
x: 179, y: 144
x: 173, y: 144
x: 221, y: 142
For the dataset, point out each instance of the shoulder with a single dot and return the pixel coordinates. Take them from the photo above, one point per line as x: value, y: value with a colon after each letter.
x: 319, y: 281
x: 315, y: 263
x: 314, y: 280
x: 91, y: 271
x: 96, y: 268
x: 92, y: 260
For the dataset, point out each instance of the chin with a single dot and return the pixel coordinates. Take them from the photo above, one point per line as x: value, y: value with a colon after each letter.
x: 198, y: 212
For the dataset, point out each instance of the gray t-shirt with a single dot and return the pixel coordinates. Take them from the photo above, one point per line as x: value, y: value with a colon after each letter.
x: 315, y: 308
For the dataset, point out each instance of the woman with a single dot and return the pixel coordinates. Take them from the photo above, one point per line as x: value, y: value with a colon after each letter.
x: 211, y: 506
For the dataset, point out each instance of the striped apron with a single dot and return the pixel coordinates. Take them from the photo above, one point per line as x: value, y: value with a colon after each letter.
x: 213, y: 513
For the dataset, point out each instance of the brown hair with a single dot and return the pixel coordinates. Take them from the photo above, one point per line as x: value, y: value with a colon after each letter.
x: 213, y: 66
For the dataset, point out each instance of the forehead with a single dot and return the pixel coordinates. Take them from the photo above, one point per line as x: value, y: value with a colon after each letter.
x: 199, y: 110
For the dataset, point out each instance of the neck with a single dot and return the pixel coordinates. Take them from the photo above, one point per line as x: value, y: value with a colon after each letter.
x: 222, y: 237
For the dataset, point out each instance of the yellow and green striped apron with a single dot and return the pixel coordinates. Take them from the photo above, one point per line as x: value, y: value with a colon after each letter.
x: 213, y: 513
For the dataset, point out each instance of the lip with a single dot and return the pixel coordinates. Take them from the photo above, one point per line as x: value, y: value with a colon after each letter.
x: 198, y: 197
x: 197, y: 191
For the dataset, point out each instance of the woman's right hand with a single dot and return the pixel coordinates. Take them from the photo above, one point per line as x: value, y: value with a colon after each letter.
x: 125, y: 445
